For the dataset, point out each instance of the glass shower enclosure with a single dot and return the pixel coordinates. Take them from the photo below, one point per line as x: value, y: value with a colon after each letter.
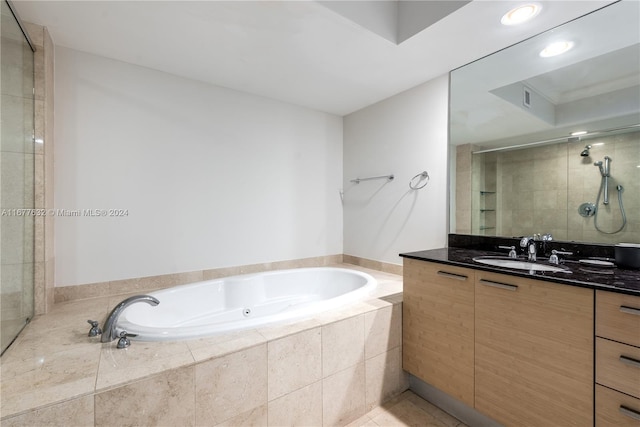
x: 17, y: 148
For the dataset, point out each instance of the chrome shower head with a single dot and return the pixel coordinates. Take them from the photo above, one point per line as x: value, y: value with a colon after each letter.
x: 585, y: 152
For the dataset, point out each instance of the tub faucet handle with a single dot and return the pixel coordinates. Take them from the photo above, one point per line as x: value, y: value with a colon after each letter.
x: 95, y: 329
x: 124, y: 341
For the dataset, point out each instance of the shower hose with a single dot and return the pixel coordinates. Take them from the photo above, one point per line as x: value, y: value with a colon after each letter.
x: 624, y: 216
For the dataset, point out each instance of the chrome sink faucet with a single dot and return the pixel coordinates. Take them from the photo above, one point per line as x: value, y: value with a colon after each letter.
x: 553, y: 259
x: 512, y: 251
x: 530, y: 244
x: 109, y: 334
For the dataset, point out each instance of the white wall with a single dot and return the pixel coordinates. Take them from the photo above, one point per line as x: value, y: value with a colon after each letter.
x: 403, y: 135
x: 210, y: 177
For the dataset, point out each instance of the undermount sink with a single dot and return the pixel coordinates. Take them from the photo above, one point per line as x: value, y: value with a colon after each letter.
x: 518, y: 264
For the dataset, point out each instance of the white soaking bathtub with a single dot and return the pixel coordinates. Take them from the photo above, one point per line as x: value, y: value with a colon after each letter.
x: 240, y: 302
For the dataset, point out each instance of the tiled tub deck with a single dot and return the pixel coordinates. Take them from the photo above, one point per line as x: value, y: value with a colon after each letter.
x: 327, y: 370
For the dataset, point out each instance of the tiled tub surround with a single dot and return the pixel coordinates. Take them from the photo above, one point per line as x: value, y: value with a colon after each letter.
x: 326, y: 370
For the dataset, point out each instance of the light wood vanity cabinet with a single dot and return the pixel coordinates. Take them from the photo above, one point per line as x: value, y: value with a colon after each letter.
x: 518, y: 350
x: 438, y: 326
x: 617, y: 359
x: 534, y: 351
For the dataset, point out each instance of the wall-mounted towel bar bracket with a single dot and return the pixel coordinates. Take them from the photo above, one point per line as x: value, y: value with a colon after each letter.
x: 358, y: 180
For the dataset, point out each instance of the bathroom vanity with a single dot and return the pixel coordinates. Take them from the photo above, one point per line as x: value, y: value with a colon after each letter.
x: 495, y: 345
x: 523, y: 347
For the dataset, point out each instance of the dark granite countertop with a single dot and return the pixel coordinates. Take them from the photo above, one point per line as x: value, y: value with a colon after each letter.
x: 610, y: 279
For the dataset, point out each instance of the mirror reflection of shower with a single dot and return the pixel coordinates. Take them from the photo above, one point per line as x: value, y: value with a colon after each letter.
x: 585, y: 152
x: 605, y: 173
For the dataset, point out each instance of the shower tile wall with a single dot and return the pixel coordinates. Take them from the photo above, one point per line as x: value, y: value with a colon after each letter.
x: 17, y: 172
x: 584, y: 182
x: 463, y: 188
x: 484, y: 194
x: 538, y: 190
x: 533, y: 191
x: 43, y: 164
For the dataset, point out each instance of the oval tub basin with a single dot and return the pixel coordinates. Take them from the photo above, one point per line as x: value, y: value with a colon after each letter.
x: 241, y: 302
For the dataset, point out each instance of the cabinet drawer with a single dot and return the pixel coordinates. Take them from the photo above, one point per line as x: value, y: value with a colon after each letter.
x: 616, y: 409
x: 618, y: 317
x: 618, y: 366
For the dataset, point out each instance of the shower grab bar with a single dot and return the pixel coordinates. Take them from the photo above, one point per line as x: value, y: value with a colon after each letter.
x: 424, y: 176
x: 389, y: 177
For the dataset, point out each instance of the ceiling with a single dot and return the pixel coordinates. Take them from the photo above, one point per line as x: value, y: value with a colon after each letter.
x: 305, y: 52
x: 593, y: 87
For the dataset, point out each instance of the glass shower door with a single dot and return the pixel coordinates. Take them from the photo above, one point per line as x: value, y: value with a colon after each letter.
x: 16, y: 179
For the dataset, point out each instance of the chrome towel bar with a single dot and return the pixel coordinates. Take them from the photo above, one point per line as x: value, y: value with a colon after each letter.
x: 389, y: 177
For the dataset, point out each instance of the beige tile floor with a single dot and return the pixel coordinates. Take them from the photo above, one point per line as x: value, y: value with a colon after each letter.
x: 408, y: 409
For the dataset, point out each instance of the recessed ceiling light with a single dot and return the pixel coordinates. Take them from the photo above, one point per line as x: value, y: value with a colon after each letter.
x: 578, y: 133
x: 557, y: 48
x: 520, y: 14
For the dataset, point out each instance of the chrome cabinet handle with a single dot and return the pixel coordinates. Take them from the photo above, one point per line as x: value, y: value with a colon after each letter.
x: 499, y: 285
x: 630, y: 310
x: 629, y: 412
x: 630, y: 361
x: 452, y: 275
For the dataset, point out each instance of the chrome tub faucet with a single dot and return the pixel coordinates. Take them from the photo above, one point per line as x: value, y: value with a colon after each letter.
x: 109, y: 329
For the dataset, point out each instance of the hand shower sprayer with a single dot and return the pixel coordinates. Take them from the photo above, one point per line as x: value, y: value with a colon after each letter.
x: 599, y: 164
x: 605, y: 172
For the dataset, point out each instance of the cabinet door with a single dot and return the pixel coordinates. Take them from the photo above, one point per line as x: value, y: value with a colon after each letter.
x: 534, y: 351
x: 438, y: 326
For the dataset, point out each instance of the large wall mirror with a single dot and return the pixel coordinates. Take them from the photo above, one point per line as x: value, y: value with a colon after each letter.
x: 552, y: 144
